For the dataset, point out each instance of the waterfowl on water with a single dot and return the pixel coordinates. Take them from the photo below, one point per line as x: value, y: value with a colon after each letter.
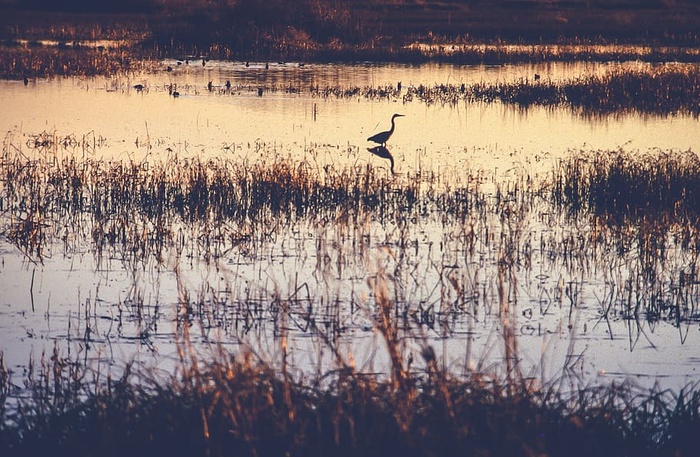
x: 382, y: 137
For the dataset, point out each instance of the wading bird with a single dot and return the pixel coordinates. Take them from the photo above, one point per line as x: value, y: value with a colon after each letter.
x: 382, y: 137
x: 383, y: 152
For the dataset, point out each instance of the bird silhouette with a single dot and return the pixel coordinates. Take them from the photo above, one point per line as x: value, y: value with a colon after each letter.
x: 383, y: 152
x: 382, y: 137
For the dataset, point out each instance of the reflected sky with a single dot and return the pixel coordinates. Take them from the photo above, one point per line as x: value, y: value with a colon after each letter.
x: 207, y: 122
x: 150, y: 124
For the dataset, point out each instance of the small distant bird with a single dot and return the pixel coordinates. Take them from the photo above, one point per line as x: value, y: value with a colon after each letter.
x: 537, y: 77
x: 138, y: 87
x: 382, y: 137
x: 398, y: 87
x: 228, y: 85
x: 210, y: 86
x: 26, y: 80
x: 260, y: 91
x: 383, y: 152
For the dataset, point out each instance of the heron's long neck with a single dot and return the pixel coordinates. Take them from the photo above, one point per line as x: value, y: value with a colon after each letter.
x: 392, y: 126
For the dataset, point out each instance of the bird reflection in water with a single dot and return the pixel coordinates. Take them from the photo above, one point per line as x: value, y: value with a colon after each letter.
x: 383, y: 152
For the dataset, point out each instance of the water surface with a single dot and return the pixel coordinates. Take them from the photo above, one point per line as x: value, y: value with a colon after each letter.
x: 112, y: 311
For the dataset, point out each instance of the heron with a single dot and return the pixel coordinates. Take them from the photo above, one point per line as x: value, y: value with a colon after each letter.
x: 383, y: 152
x: 382, y: 137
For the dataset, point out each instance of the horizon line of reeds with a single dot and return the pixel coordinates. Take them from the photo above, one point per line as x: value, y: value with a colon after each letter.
x: 663, y: 90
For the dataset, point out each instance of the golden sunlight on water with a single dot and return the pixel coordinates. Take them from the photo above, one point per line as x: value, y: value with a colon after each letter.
x: 213, y: 122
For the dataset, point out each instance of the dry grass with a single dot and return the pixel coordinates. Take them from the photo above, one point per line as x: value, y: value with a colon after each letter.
x: 239, y: 405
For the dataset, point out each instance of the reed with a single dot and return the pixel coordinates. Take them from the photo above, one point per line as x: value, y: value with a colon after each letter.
x: 647, y: 201
x: 626, y: 185
x: 239, y: 404
x: 139, y: 214
x: 665, y: 90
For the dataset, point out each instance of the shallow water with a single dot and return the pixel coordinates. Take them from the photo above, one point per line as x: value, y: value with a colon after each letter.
x: 208, y: 122
x: 111, y: 311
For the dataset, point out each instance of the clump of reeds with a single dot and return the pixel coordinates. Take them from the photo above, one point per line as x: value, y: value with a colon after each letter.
x: 643, y: 209
x: 662, y: 90
x: 631, y: 184
x: 17, y: 62
x: 235, y: 201
x: 241, y: 406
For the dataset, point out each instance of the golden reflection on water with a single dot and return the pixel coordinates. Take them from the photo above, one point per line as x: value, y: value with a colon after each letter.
x: 212, y: 122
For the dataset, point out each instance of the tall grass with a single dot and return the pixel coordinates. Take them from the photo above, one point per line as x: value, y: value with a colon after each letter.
x: 648, y: 201
x: 663, y: 90
x: 632, y: 185
x: 240, y: 405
